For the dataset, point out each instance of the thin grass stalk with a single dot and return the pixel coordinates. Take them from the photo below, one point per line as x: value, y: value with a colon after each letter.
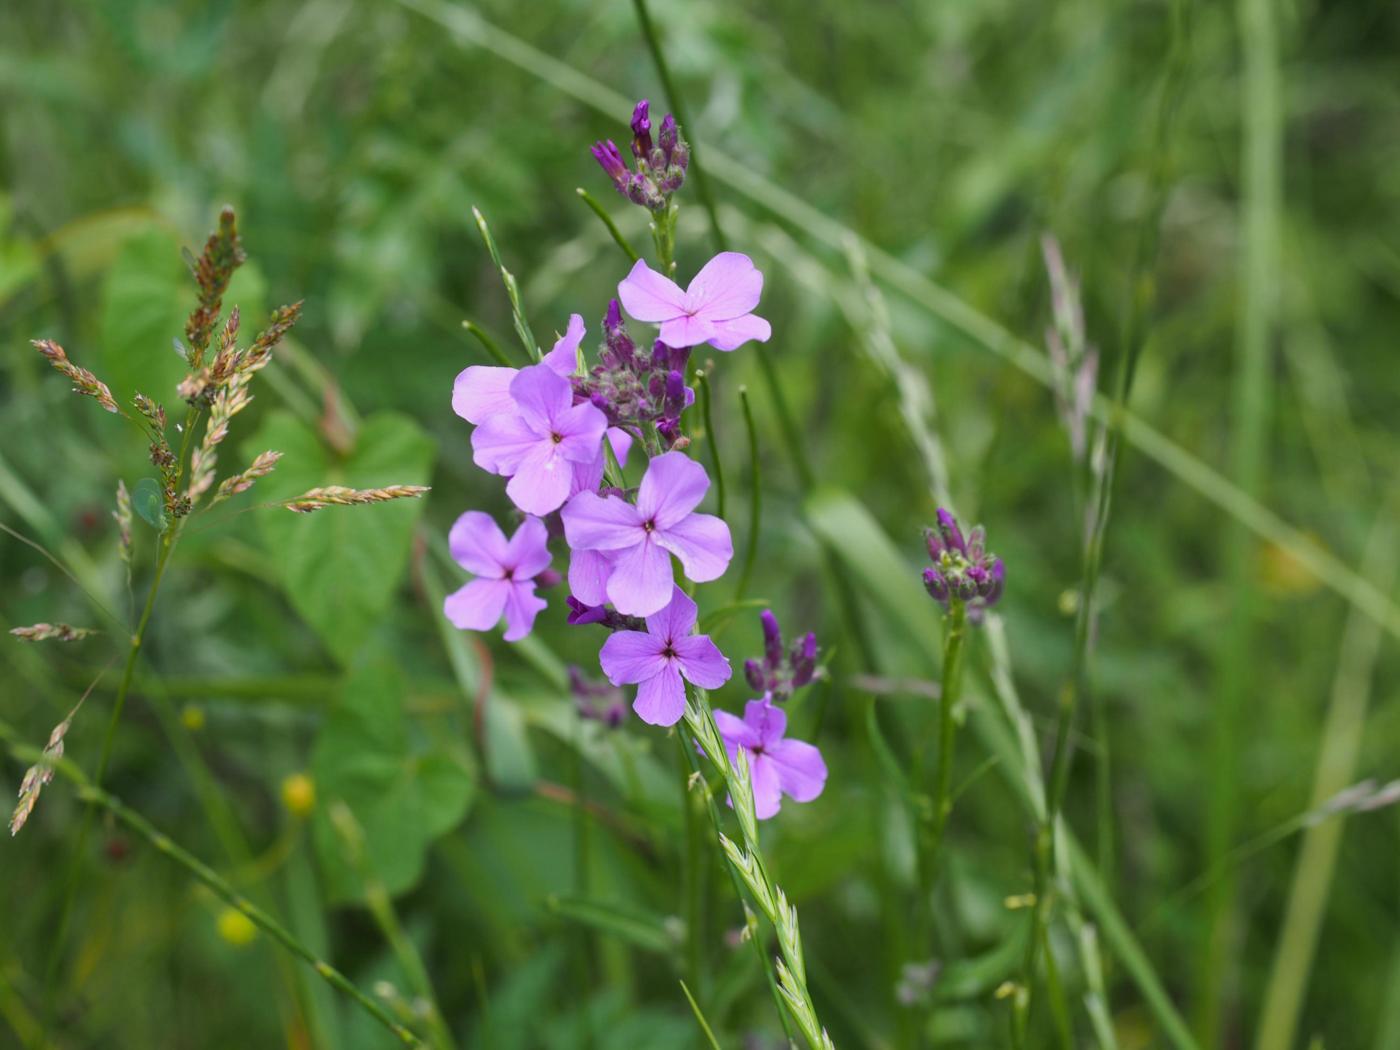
x: 755, y: 498
x: 702, y: 378
x: 517, y: 310
x: 488, y: 343
x: 1336, y: 764
x: 607, y: 221
x: 211, y: 879
x: 1262, y: 162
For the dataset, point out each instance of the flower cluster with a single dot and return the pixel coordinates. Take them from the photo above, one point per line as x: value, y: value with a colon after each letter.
x: 661, y: 163
x: 778, y: 674
x: 547, y: 429
x: 963, y: 569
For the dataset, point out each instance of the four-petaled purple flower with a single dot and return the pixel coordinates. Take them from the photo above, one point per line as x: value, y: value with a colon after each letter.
x: 963, y: 569
x: 637, y: 541
x: 777, y: 766
x: 505, y: 574
x: 537, y: 445
x: 716, y: 308
x: 657, y: 660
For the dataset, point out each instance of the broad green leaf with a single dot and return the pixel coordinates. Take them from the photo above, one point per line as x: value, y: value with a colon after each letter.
x: 403, y: 796
x: 340, y: 566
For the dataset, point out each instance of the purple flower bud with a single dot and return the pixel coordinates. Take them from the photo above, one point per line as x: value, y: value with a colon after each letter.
x: 641, y: 130
x: 804, y: 660
x: 668, y: 137
x: 934, y: 542
x: 936, y: 586
x: 952, y: 535
x: 772, y: 640
x: 753, y: 673
x: 580, y: 614
x: 612, y: 320
x: 976, y: 543
x: 609, y: 158
x: 997, y: 584
x: 548, y: 578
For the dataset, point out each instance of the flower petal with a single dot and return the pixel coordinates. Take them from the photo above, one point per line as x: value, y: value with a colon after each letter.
x: 660, y: 699
x: 686, y: 330
x: 477, y: 544
x: 672, y: 487
x: 701, y: 661
x: 563, y: 359
x: 540, y: 395
x: 727, y: 286
x: 588, y: 576
x: 501, y: 442
x: 481, y: 391
x: 522, y: 606
x: 767, y: 791
x: 732, y: 334
x: 588, y: 476
x: 527, y: 553
x: 768, y: 721
x: 676, y: 619
x: 541, y: 481
x: 735, y: 732
x: 629, y: 657
x: 703, y: 545
x: 478, y: 605
x: 601, y: 523
x: 648, y: 296
x: 641, y: 580
x: 800, y: 768
x: 581, y: 428
x: 621, y: 443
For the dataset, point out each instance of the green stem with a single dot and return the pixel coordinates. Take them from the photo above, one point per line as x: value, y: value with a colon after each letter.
x: 617, y: 237
x: 711, y: 439
x: 690, y: 875
x: 488, y: 343
x: 755, y: 497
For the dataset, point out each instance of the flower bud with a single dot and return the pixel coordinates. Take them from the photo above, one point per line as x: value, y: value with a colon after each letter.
x: 936, y: 586
x: 609, y: 158
x: 753, y: 674
x: 641, y: 130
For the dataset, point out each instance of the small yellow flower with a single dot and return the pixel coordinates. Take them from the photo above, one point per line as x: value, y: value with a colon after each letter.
x: 299, y: 794
x: 236, y: 928
x: 192, y: 715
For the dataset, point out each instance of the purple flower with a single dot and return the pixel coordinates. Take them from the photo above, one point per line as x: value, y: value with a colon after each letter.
x: 656, y: 660
x: 537, y: 445
x: 963, y: 569
x: 716, y: 308
x: 505, y: 574
x: 639, y: 540
x: 778, y: 675
x: 483, y: 391
x: 777, y: 766
x: 598, y: 701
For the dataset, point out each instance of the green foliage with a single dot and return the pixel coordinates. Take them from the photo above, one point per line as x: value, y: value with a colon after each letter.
x: 404, y: 792
x: 339, y: 569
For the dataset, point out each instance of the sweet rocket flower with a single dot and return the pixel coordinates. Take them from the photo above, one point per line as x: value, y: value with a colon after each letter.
x: 483, y: 391
x: 537, y: 445
x: 657, y: 660
x: 716, y: 308
x: 777, y: 766
x: 779, y: 674
x: 640, y: 539
x: 963, y: 570
x: 505, y: 574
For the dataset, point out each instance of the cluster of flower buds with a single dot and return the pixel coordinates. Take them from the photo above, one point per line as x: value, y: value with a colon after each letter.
x: 963, y: 570
x: 597, y: 700
x: 661, y: 163
x: 636, y: 389
x: 780, y: 674
x: 581, y: 614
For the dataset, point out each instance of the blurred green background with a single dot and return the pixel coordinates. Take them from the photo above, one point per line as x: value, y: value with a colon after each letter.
x: 354, y: 138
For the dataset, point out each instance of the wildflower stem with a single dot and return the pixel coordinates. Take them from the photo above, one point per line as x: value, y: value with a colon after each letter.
x: 517, y: 310
x: 711, y: 439
x: 690, y: 875
x: 755, y: 497
x: 206, y: 875
x: 488, y: 343
x: 602, y: 214
x: 748, y: 864
x: 689, y: 751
